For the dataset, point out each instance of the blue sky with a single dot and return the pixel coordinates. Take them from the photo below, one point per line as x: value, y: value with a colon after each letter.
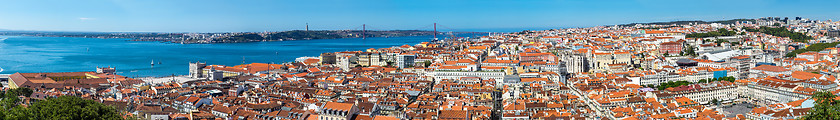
x: 457, y: 15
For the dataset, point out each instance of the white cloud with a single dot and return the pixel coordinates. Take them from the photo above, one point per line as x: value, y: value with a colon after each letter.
x: 86, y: 19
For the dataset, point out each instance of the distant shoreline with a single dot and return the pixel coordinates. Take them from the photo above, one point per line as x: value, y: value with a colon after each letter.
x: 163, y: 41
x: 233, y: 37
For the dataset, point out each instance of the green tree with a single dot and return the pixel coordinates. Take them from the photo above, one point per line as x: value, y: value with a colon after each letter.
x: 669, y: 84
x: 389, y: 63
x: 9, y: 105
x: 719, y: 32
x: 826, y: 108
x: 10, y: 98
x: 9, y: 102
x: 73, y: 108
x: 718, y: 41
x: 690, y: 51
x: 427, y: 63
x: 715, y: 101
x: 18, y: 113
x: 782, y: 32
x: 22, y: 91
x: 813, y: 47
x: 61, y: 108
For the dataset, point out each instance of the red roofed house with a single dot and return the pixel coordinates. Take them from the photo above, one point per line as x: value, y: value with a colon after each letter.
x: 454, y: 115
x: 337, y: 111
x: 531, y: 57
x: 768, y: 70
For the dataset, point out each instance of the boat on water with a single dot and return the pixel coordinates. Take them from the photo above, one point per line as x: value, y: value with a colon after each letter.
x: 153, y: 62
x: 1, y: 69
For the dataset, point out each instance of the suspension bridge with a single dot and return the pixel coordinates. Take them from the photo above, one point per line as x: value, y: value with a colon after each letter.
x: 436, y: 29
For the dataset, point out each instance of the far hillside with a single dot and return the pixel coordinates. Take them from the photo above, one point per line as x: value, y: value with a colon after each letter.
x: 689, y: 22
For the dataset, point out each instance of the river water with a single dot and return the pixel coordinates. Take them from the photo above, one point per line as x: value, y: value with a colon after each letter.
x: 134, y: 58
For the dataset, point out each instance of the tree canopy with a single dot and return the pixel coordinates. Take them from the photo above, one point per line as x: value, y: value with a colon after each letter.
x: 669, y: 84
x: 10, y: 97
x: 61, y: 108
x: 70, y: 107
x: 719, y: 32
x: 18, y: 92
x: 826, y: 108
x: 690, y: 51
x: 782, y: 32
x: 727, y: 78
x: 815, y: 47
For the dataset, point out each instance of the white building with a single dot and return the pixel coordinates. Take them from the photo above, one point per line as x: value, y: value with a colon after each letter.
x: 577, y: 63
x: 704, y: 93
x: 455, y: 75
x: 405, y: 60
x: 770, y: 92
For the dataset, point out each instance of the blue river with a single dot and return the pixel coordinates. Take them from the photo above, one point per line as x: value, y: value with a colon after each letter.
x: 134, y: 58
